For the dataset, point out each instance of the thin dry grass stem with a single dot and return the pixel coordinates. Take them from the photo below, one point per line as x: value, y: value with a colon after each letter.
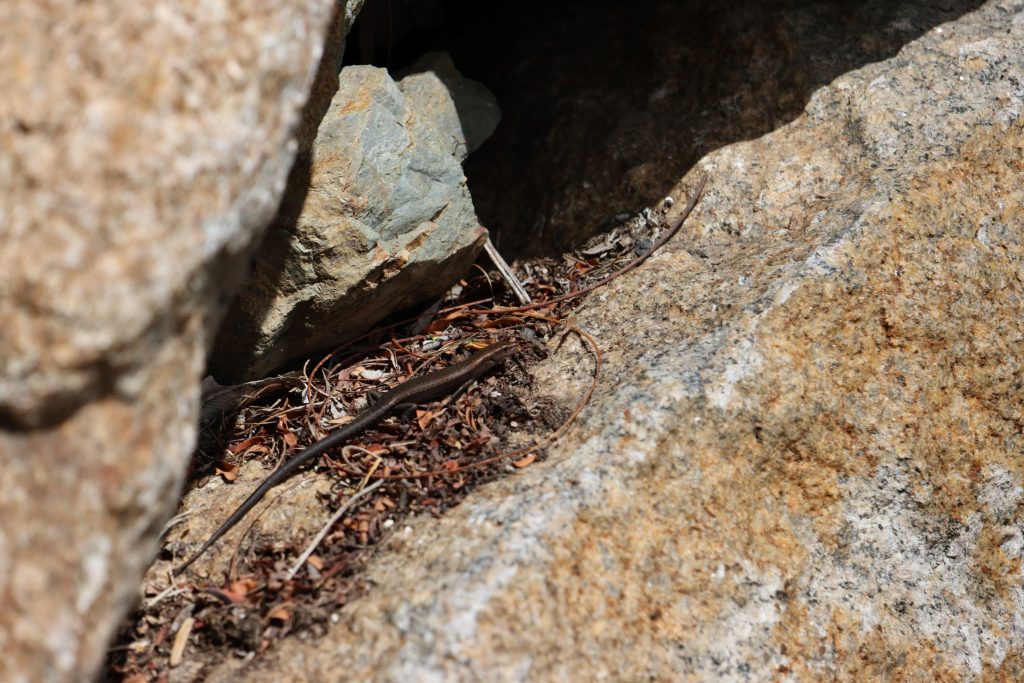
x: 660, y: 242
x: 363, y: 491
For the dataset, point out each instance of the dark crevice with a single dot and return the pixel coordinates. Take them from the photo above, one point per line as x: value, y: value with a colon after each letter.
x: 606, y: 105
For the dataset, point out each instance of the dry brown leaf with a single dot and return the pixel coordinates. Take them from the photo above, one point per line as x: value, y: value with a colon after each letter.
x: 523, y: 462
x: 239, y: 589
x: 506, y: 321
x: 226, y: 470
x: 282, y: 424
x: 243, y: 445
x: 424, y: 418
x: 441, y: 323
x: 280, y: 613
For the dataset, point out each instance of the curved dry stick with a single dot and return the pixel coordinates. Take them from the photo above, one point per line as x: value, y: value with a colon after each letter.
x: 660, y: 242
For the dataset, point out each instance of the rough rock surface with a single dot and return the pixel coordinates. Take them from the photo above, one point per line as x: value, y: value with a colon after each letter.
x: 143, y: 147
x: 383, y: 221
x: 460, y: 106
x: 806, y: 460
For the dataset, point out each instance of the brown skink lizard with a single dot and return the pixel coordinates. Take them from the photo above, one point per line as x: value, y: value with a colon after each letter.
x: 417, y: 390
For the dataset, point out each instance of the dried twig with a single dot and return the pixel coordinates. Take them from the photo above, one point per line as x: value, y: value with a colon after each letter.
x: 353, y: 499
x: 506, y: 273
x: 660, y: 242
x: 180, y: 641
